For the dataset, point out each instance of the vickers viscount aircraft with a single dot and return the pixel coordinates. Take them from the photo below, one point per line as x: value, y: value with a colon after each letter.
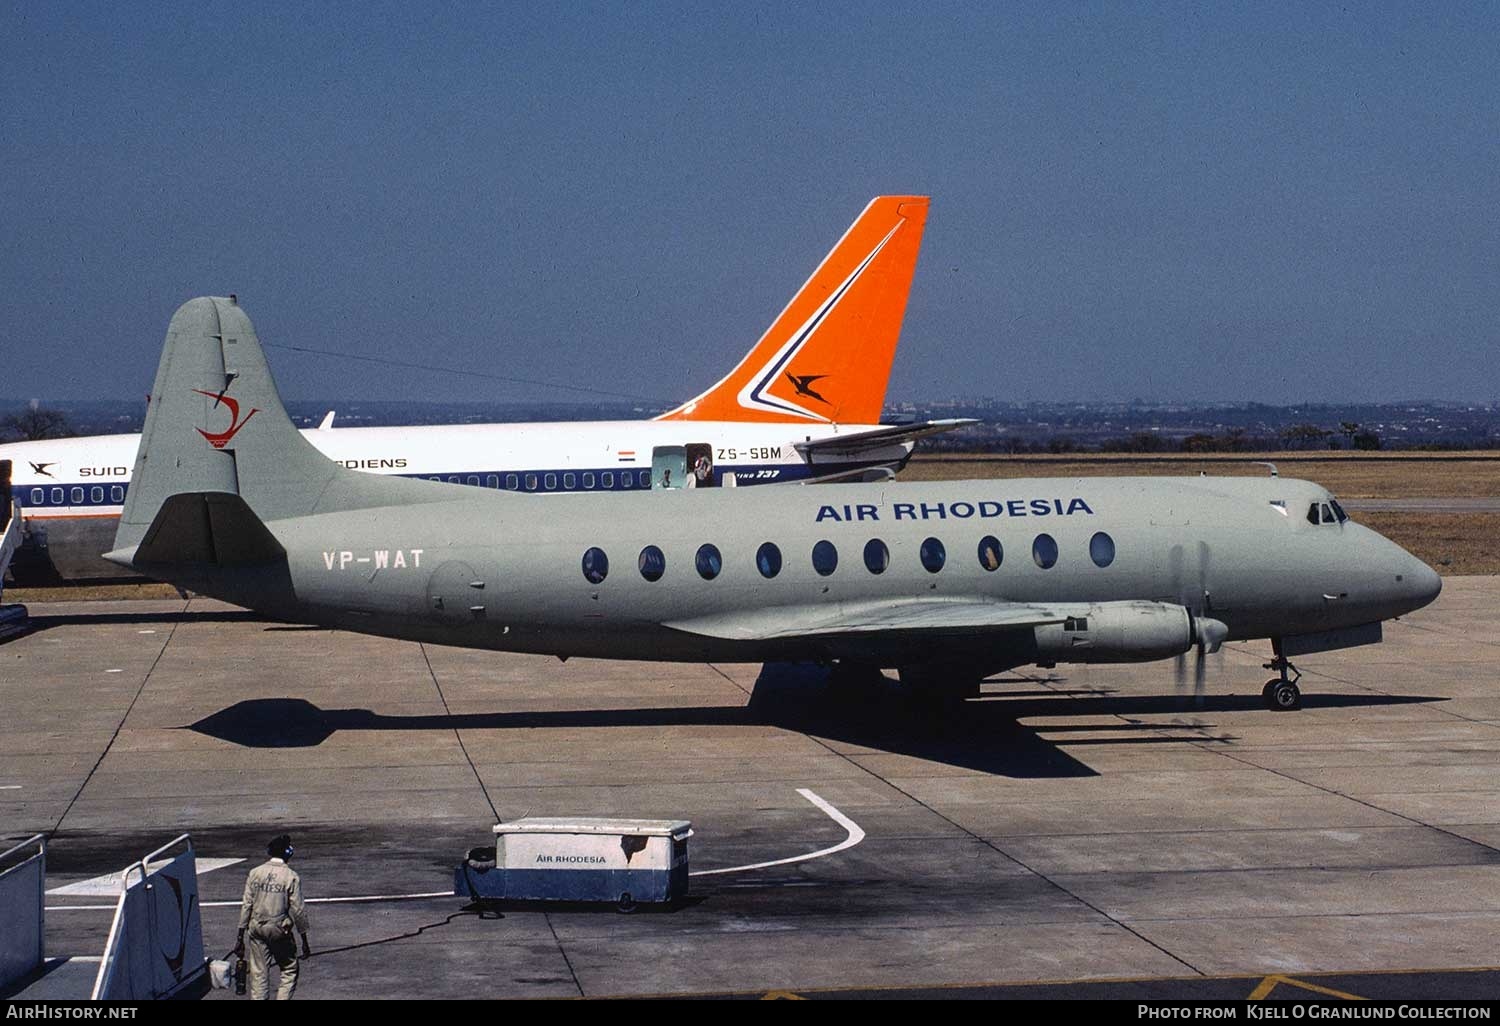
x: 947, y: 582
x: 804, y: 404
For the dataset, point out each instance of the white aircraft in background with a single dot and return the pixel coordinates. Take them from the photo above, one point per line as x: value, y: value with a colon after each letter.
x: 803, y: 405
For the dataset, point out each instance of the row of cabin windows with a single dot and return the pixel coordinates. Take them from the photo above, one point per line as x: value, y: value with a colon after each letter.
x: 709, y: 562
x: 570, y: 480
x: 77, y: 495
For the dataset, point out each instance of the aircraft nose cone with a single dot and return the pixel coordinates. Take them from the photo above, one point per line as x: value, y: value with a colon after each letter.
x: 1422, y: 583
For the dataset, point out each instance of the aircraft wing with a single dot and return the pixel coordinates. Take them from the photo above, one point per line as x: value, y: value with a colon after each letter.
x: 968, y: 616
x: 860, y: 443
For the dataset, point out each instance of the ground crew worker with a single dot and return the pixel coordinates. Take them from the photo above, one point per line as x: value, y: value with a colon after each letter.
x: 271, y: 908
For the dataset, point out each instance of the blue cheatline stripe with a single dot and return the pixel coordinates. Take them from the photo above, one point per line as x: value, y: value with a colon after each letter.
x: 748, y: 473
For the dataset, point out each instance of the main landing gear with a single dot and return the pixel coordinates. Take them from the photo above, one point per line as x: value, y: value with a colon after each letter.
x: 1281, y: 693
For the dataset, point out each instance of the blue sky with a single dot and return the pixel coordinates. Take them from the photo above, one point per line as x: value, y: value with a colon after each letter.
x: 1204, y: 202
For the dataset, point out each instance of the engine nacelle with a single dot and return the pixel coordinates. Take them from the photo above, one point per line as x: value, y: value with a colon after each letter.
x: 1119, y: 632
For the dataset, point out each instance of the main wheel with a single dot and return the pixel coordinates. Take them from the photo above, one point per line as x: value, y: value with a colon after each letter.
x: 1284, y: 697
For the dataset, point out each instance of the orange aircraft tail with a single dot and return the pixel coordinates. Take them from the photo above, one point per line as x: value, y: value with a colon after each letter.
x: 827, y: 356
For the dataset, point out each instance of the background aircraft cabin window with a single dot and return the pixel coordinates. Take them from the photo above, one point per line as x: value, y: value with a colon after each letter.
x: 652, y: 563
x: 116, y: 493
x: 437, y: 478
x: 1102, y: 549
x: 645, y: 478
x: 607, y: 479
x: 991, y: 555
x: 825, y: 558
x: 96, y: 494
x: 453, y: 479
x: 877, y: 556
x: 512, y: 481
x: 768, y: 560
x: 595, y: 565
x: 709, y: 562
x: 933, y: 555
x: 78, y: 497
x: 38, y: 496
x: 1044, y: 551
x: 627, y: 479
x: 570, y: 481
x: 57, y: 494
x: 492, y: 481
x: 531, y: 482
x: 474, y: 480
x: 551, y: 482
x: 588, y: 479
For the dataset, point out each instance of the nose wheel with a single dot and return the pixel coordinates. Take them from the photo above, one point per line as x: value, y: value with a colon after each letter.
x: 1281, y: 693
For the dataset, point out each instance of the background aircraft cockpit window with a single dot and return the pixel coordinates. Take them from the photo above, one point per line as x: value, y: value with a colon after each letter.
x: 933, y: 555
x: 652, y: 563
x: 1044, y: 551
x: 877, y: 556
x: 768, y: 560
x: 1312, y: 513
x: 1327, y: 513
x: 708, y: 561
x: 825, y: 558
x: 991, y: 555
x: 1102, y: 549
x: 595, y: 565
x: 1338, y: 510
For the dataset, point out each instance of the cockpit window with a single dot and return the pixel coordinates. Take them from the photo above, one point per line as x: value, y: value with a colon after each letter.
x: 1338, y: 510
x: 1323, y: 513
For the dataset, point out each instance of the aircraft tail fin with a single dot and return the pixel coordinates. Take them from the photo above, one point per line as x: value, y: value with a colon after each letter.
x: 216, y: 424
x: 827, y: 356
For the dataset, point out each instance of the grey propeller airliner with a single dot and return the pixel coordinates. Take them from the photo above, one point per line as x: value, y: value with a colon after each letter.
x: 948, y: 582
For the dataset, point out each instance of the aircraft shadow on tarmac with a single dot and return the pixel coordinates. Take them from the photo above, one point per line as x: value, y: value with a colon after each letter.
x: 984, y: 734
x: 48, y: 621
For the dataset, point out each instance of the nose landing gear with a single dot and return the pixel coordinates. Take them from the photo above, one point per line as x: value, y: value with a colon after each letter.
x: 1281, y: 693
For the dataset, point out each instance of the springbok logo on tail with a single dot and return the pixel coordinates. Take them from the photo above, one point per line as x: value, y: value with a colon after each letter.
x: 219, y: 439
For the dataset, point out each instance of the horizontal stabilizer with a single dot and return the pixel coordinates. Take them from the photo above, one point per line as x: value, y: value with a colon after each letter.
x: 216, y: 528
x: 969, y: 617
x: 857, y: 444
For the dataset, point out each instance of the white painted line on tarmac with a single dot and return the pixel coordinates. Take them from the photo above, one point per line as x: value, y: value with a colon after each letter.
x: 10, y: 787
x: 855, y: 836
x: 108, y: 885
x: 423, y: 896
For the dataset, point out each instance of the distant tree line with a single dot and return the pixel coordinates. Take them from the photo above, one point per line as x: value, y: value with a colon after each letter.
x: 34, y: 423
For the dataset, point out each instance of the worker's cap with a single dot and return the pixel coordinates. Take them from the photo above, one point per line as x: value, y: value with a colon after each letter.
x: 280, y: 846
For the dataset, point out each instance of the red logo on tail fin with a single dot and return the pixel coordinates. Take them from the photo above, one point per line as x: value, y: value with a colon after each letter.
x: 219, y: 439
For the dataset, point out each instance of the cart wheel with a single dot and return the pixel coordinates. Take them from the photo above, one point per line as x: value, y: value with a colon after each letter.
x: 626, y: 903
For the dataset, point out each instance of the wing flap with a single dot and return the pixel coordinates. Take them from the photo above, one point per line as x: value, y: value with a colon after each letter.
x: 860, y: 444
x: 923, y: 615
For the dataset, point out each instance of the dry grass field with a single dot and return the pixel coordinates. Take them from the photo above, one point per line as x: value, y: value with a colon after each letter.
x: 1453, y: 543
x: 1348, y: 475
